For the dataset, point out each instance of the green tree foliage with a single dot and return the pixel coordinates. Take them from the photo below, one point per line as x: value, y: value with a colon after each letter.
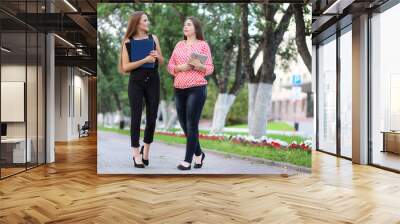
x: 221, y: 26
x: 109, y: 81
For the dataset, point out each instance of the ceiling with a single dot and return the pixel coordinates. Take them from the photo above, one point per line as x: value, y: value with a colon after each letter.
x: 73, y: 21
x: 330, y: 15
x: 211, y: 1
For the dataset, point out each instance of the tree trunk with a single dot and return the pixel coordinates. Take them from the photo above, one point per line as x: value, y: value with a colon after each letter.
x: 259, y: 102
x: 252, y: 89
x: 301, y: 36
x: 225, y: 100
x: 100, y: 119
x: 239, y: 74
x: 119, y: 110
x: 107, y: 118
x: 260, y: 85
x: 172, y: 117
x: 221, y: 110
x: 245, y: 45
x: 168, y: 113
x: 163, y: 113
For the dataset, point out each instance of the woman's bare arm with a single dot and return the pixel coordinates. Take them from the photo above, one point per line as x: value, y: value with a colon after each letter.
x: 158, y: 49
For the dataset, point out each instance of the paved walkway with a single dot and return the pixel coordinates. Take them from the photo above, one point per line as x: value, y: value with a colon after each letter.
x: 114, y: 156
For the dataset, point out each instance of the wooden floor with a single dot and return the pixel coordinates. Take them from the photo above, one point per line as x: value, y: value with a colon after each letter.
x: 387, y: 159
x: 11, y: 170
x: 70, y: 191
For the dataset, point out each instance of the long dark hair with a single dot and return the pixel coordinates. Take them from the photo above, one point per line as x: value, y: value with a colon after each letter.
x: 130, y: 32
x: 197, y: 28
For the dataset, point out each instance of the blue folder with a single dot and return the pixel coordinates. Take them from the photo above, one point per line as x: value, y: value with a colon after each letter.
x: 140, y: 49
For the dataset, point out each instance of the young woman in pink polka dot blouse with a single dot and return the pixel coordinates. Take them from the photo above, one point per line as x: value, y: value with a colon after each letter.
x: 186, y: 75
x: 190, y: 87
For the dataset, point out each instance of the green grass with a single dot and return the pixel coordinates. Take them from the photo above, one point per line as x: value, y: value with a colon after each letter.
x: 296, y: 157
x: 274, y: 125
x: 286, y: 138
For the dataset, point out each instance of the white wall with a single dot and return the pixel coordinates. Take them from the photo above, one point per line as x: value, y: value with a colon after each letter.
x: 71, y: 93
x: 80, y: 96
x: 61, y: 103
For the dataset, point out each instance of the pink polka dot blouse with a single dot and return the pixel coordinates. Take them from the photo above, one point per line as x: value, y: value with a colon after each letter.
x: 181, y: 55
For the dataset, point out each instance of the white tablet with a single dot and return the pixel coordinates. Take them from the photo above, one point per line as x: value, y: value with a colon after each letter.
x: 201, y: 57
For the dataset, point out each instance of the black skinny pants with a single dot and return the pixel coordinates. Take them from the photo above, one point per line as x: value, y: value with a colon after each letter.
x: 189, y: 105
x: 149, y: 89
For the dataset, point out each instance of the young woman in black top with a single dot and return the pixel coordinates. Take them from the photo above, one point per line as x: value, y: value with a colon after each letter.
x: 144, y: 83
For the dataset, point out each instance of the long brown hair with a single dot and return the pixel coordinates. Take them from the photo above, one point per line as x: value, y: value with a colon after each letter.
x: 130, y: 32
x: 197, y: 28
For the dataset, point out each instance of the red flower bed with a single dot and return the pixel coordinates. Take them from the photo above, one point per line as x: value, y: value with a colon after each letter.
x: 242, y: 140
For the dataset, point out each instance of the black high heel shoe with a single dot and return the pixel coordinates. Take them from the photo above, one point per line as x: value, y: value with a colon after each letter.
x: 197, y: 166
x: 138, y: 165
x: 182, y: 167
x: 145, y: 161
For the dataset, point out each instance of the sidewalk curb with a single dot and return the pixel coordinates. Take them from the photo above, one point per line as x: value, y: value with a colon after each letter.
x: 255, y: 159
x: 283, y: 165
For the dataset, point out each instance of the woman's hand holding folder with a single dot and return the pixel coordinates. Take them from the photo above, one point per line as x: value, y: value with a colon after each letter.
x: 194, y: 62
x: 155, y: 54
x: 149, y: 59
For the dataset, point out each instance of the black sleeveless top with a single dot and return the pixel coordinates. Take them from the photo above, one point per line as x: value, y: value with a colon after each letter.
x: 142, y: 73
